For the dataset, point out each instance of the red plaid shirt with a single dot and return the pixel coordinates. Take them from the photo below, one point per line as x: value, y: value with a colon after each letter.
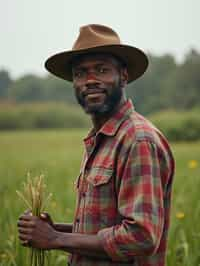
x: 124, y: 191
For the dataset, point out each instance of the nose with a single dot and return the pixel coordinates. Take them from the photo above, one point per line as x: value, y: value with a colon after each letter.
x: 91, y: 78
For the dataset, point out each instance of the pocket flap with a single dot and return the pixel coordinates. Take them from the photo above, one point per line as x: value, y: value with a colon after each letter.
x: 99, y: 176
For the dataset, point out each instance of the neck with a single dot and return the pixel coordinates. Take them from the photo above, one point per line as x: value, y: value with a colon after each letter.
x: 100, y: 119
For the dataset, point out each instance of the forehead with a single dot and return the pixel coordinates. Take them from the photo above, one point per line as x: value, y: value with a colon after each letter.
x: 97, y: 58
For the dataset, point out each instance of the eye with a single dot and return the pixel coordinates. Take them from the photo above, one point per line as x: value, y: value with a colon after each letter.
x: 78, y: 73
x: 102, y: 70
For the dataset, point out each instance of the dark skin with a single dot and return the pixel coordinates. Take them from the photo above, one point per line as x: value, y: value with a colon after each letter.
x: 102, y: 74
x: 95, y: 77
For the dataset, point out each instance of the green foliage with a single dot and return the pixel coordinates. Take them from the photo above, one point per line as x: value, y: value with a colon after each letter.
x: 31, y: 88
x: 27, y: 88
x: 147, y: 92
x: 178, y: 126
x: 58, y: 154
x: 40, y: 115
x: 166, y: 84
x: 58, y: 90
x: 5, y: 81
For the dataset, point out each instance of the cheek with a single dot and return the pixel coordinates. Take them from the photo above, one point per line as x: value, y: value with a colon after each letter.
x: 77, y: 89
x: 116, y: 82
x: 110, y: 81
x: 75, y: 85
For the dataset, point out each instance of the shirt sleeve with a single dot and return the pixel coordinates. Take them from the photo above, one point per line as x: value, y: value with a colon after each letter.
x: 140, y: 203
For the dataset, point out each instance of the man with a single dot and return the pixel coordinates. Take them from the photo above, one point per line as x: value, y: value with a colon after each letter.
x: 125, y: 182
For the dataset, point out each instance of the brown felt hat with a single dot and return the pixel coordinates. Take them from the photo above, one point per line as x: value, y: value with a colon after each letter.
x: 96, y: 38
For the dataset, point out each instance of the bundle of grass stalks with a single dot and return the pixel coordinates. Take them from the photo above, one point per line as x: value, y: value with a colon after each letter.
x: 36, y: 200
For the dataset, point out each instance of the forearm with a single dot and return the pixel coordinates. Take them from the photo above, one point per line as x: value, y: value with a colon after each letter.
x: 87, y: 245
x: 63, y: 227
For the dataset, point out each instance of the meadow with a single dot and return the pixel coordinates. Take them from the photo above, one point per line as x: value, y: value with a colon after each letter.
x: 57, y: 155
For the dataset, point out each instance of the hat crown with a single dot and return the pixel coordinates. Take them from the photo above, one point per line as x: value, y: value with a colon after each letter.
x: 94, y: 35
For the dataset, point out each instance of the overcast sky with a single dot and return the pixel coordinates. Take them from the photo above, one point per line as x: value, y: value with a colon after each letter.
x: 32, y: 30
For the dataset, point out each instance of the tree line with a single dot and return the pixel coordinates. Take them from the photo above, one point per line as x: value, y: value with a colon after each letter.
x: 166, y: 85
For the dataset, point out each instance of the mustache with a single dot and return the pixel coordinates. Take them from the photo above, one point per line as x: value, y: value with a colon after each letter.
x: 92, y: 90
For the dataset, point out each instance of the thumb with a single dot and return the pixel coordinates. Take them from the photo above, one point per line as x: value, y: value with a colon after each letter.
x: 43, y: 216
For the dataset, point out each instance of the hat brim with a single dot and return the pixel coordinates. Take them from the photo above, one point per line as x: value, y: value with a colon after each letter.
x: 136, y: 61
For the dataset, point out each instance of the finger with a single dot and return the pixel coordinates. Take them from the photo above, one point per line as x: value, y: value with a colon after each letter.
x: 25, y: 217
x: 26, y: 243
x: 24, y: 237
x: 24, y: 230
x: 46, y: 216
x: 28, y: 212
x: 28, y: 224
x: 43, y: 216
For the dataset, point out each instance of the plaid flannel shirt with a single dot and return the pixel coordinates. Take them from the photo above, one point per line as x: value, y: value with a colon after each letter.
x: 124, y: 191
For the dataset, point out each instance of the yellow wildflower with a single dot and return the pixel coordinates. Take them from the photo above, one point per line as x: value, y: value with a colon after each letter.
x: 180, y: 215
x: 192, y: 164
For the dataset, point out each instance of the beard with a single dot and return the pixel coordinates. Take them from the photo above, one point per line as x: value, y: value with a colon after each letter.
x: 113, y: 96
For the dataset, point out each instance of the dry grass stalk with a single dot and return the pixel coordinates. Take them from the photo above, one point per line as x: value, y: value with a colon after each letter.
x: 36, y: 200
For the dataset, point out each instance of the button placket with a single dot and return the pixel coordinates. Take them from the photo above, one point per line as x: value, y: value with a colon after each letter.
x: 82, y: 191
x: 83, y: 194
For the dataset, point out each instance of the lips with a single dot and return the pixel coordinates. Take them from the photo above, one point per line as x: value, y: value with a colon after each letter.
x: 93, y: 92
x: 94, y: 96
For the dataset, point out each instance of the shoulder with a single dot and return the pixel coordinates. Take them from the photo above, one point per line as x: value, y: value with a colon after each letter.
x: 139, y: 134
x: 137, y: 128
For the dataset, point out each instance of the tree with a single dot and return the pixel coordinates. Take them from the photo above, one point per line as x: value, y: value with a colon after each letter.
x: 182, y: 89
x: 147, y: 92
x: 28, y: 88
x: 165, y: 85
x: 5, y: 82
x: 58, y: 90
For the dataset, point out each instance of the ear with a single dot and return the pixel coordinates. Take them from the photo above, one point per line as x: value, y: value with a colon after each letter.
x: 124, y: 76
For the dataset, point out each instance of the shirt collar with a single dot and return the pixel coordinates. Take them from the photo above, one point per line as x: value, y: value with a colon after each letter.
x: 111, y: 126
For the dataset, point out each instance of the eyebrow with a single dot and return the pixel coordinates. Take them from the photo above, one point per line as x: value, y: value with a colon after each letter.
x: 79, y: 67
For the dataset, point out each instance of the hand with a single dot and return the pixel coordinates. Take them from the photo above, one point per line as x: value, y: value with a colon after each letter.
x: 46, y: 217
x: 37, y: 232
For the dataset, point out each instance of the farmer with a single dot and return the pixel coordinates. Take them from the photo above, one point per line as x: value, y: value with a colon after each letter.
x: 125, y: 182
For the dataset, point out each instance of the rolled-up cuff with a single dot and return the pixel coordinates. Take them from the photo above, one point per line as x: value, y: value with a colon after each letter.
x: 109, y: 244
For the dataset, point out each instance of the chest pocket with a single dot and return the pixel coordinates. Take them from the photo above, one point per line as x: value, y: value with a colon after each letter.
x: 101, y: 203
x: 101, y: 187
x: 100, y: 176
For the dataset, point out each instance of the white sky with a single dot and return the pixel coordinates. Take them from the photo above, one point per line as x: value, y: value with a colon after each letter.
x: 32, y: 30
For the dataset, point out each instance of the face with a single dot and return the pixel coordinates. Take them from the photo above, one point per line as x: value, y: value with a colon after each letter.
x: 98, y: 81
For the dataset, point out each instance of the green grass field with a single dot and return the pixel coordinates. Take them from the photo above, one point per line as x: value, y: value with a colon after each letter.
x: 57, y: 155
